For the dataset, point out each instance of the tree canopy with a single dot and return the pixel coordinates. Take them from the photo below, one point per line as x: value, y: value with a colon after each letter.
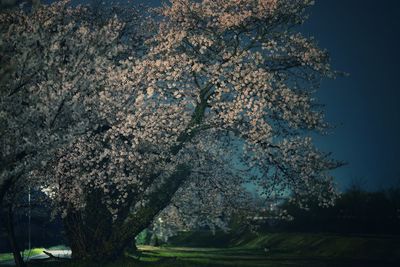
x: 121, y: 116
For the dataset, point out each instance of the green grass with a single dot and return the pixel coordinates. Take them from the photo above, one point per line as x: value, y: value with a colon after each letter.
x: 9, y: 256
x: 294, y: 250
x: 32, y: 252
x: 326, y: 246
x: 303, y: 245
x: 217, y: 257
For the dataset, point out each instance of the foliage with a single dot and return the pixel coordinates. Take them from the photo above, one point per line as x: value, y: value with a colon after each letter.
x: 54, y: 61
x: 356, y: 211
x: 118, y: 124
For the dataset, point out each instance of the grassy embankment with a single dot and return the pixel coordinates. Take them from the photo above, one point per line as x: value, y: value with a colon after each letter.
x: 268, y: 250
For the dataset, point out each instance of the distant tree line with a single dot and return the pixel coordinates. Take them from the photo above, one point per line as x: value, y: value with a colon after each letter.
x: 356, y: 212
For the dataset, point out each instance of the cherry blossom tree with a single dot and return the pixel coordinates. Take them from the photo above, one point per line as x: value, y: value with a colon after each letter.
x: 54, y: 61
x: 219, y: 99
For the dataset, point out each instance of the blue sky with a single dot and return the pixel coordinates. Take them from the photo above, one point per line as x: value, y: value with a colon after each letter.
x: 363, y: 40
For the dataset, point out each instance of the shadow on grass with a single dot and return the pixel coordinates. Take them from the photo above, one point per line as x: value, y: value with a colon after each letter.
x: 211, y: 257
x: 219, y: 263
x: 272, y: 250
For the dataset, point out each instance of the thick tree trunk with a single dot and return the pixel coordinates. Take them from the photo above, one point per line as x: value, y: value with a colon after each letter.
x: 19, y: 262
x: 158, y: 200
x: 73, y: 225
x: 88, y: 231
x: 85, y: 248
x: 4, y: 187
x: 88, y: 242
x: 94, y: 236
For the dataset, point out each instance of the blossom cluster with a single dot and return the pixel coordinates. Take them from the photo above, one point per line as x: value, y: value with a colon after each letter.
x: 107, y: 107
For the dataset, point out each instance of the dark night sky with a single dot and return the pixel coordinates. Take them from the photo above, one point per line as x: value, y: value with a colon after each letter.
x: 363, y: 38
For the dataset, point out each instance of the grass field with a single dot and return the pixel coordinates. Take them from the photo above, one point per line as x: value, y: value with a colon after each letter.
x: 271, y: 250
x: 26, y: 253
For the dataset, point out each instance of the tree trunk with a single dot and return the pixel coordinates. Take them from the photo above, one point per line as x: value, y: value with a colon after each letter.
x: 73, y: 225
x: 94, y: 236
x: 19, y: 262
x: 4, y: 188
x: 88, y: 242
x: 88, y: 231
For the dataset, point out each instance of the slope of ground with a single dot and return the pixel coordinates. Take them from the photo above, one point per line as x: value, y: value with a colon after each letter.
x: 300, y: 244
x: 267, y: 250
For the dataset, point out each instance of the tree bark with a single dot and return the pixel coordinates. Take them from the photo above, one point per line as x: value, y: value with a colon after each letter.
x: 158, y: 200
x: 88, y: 230
x: 4, y: 187
x: 19, y: 262
x: 94, y: 236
